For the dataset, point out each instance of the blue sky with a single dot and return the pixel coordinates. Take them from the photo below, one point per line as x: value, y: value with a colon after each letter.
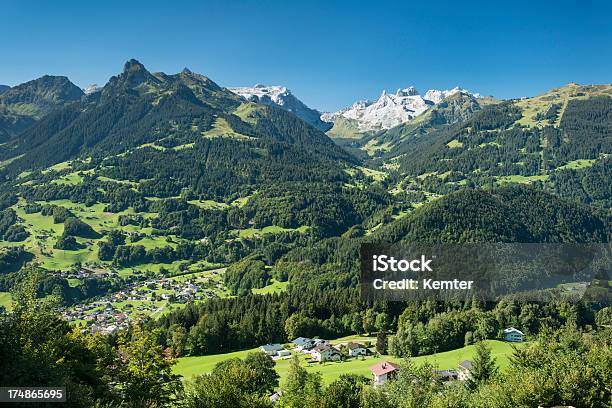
x: 329, y: 53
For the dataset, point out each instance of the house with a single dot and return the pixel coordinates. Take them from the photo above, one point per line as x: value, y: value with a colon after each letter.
x: 325, y: 352
x: 383, y: 372
x: 446, y: 376
x: 514, y: 335
x: 464, y: 372
x: 271, y: 349
x: 356, y: 349
x: 302, y: 343
x: 283, y: 353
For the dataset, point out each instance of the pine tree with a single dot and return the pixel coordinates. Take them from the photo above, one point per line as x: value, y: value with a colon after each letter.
x: 484, y: 367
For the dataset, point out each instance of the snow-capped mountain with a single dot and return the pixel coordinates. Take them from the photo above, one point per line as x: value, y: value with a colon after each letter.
x: 282, y: 97
x: 436, y: 96
x: 391, y: 110
x: 93, y: 88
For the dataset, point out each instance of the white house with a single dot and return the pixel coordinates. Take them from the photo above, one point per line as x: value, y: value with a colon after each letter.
x: 303, y: 343
x: 356, y: 349
x: 464, y: 372
x: 514, y: 335
x: 325, y: 352
x: 383, y: 372
x: 271, y: 349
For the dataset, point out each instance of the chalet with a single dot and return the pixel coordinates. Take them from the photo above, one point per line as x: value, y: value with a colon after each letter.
x: 271, y: 349
x: 464, y: 372
x: 383, y: 372
x: 325, y: 352
x: 356, y: 349
x: 302, y: 343
x: 514, y: 335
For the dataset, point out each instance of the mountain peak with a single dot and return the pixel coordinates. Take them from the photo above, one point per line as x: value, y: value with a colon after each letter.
x: 393, y: 109
x: 281, y: 97
x: 133, y: 65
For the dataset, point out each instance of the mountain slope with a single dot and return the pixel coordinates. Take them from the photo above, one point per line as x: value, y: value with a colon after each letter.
x: 22, y: 105
x: 560, y: 139
x: 282, y: 97
x: 36, y: 98
x: 138, y: 107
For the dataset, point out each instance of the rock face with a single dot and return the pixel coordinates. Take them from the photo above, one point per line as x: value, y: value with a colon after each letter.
x: 391, y: 109
x: 282, y: 97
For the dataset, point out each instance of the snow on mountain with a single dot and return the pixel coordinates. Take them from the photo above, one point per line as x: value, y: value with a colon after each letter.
x: 282, y: 97
x: 436, y: 96
x: 93, y: 88
x: 391, y: 110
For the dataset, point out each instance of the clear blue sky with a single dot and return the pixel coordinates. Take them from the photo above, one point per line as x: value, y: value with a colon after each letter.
x: 329, y: 53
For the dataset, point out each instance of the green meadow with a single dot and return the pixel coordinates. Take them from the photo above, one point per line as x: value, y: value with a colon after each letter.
x: 191, y: 366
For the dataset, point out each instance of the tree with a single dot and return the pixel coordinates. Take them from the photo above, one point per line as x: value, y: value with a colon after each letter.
x: 296, y: 377
x: 39, y: 348
x: 357, y: 323
x: 266, y: 375
x: 145, y: 375
x: 292, y: 326
x: 230, y: 385
x: 382, y: 322
x: 381, y: 342
x: 369, y: 321
x: 483, y: 366
x: 345, y: 392
x: 177, y: 339
x: 302, y: 389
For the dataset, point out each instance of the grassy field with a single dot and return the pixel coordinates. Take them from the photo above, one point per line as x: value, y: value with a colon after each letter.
x: 222, y: 129
x: 274, y: 287
x: 577, y: 164
x: 454, y: 144
x: 271, y: 229
x: 6, y: 300
x: 190, y: 366
x: 520, y: 179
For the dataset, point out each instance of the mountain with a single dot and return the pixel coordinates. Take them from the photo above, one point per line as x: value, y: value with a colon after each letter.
x: 24, y: 104
x: 388, y: 111
x: 201, y: 131
x: 282, y: 97
x: 38, y: 97
x: 4, y: 88
x: 93, y: 88
x: 559, y: 140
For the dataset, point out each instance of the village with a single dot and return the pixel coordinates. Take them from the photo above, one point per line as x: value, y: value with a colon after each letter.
x: 318, y: 351
x: 139, y: 300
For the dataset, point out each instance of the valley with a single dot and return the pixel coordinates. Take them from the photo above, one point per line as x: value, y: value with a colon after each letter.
x: 201, y: 222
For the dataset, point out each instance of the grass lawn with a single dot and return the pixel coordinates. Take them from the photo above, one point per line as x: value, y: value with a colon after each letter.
x: 274, y: 287
x: 270, y: 229
x: 222, y: 129
x: 520, y: 179
x: 577, y: 164
x: 190, y: 366
x: 454, y: 144
x: 6, y: 300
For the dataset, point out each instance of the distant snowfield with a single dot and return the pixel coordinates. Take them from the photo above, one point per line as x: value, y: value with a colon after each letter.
x: 391, y: 110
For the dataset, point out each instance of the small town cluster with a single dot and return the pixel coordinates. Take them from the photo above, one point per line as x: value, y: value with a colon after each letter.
x: 320, y: 350
x: 115, y: 311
